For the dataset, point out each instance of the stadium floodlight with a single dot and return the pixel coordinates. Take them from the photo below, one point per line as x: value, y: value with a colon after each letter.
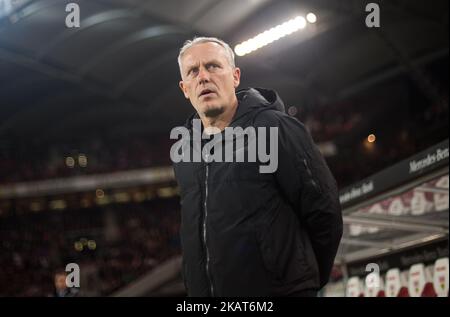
x: 5, y: 7
x: 371, y: 138
x: 270, y: 36
x: 8, y: 6
x: 311, y: 17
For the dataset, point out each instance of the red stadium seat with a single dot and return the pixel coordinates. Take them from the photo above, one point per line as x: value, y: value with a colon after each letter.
x: 404, y: 278
x: 421, y: 281
x: 428, y: 290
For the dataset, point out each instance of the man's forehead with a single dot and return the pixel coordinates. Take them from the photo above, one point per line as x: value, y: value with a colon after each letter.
x: 204, y: 51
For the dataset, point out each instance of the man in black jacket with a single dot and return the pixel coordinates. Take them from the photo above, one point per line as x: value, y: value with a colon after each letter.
x: 245, y: 232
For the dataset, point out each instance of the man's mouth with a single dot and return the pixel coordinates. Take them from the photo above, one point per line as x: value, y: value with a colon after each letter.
x: 206, y: 93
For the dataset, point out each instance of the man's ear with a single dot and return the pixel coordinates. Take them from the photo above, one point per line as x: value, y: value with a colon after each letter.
x: 183, y: 89
x: 236, y: 76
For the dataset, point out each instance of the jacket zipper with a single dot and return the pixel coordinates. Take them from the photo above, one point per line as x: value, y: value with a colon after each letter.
x: 313, y: 182
x: 204, y: 228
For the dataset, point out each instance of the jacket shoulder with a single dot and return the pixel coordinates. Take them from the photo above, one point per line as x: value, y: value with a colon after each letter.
x: 275, y: 118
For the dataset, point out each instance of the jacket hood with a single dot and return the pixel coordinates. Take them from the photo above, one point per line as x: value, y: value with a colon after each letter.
x: 251, y: 100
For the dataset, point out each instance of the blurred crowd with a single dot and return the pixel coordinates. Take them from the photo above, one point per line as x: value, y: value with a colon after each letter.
x: 28, y: 162
x: 346, y: 126
x: 112, y: 245
x: 402, y: 126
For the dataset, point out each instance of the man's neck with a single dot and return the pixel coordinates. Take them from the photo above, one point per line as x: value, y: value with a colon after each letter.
x: 219, y: 123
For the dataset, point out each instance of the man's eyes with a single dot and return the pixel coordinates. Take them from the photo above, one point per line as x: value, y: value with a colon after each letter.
x: 193, y: 71
x: 212, y: 65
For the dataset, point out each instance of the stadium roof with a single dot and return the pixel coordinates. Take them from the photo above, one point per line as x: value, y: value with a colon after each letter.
x: 117, y: 73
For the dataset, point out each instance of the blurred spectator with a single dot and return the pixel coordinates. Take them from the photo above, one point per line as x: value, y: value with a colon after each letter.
x: 61, y: 289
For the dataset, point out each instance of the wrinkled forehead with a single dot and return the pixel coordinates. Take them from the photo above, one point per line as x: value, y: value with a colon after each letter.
x: 203, y: 53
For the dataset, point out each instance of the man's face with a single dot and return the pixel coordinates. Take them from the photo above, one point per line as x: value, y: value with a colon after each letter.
x: 208, y: 79
x: 60, y: 281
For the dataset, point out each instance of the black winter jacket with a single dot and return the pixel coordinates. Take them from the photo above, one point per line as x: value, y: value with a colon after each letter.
x: 244, y: 233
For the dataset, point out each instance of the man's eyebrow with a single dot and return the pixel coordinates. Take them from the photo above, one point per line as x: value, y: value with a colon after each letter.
x: 213, y: 61
x: 190, y: 67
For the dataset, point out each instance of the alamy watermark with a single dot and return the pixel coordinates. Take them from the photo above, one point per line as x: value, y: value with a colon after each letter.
x: 373, y: 278
x: 373, y: 18
x: 73, y: 276
x: 73, y: 18
x: 227, y: 146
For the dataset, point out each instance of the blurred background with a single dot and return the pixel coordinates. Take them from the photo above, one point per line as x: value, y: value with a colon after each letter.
x: 86, y: 112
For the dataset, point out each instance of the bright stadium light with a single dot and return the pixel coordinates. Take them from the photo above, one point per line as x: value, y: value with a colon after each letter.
x: 99, y: 193
x: 311, y: 18
x: 7, y: 7
x: 82, y: 160
x: 70, y: 162
x: 271, y: 35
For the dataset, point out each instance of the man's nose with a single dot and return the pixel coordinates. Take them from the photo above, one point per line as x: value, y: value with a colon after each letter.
x: 203, y: 75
